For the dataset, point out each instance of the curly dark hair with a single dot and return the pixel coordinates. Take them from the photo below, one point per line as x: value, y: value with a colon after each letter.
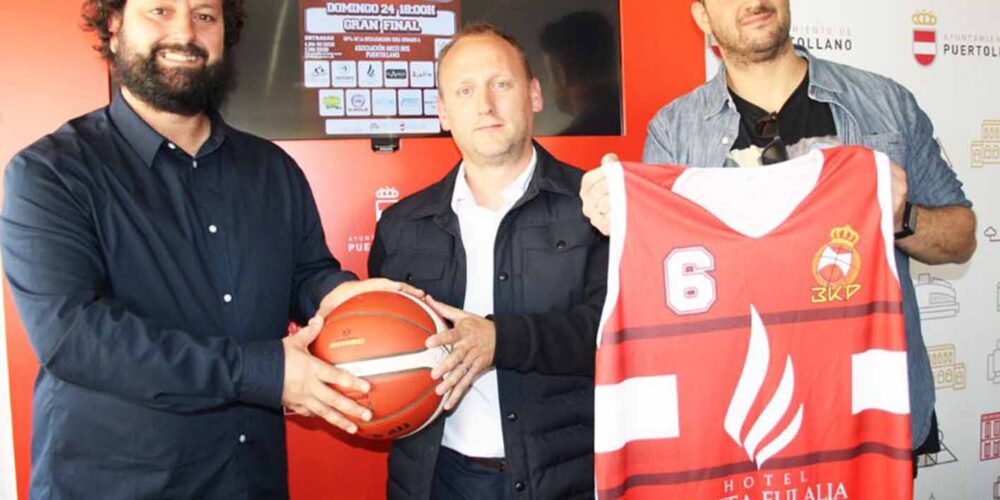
x: 97, y: 18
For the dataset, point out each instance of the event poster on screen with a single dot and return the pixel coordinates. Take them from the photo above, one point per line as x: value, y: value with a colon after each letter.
x: 370, y: 65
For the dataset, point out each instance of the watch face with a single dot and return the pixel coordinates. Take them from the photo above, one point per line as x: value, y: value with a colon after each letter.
x: 909, y: 222
x: 911, y: 219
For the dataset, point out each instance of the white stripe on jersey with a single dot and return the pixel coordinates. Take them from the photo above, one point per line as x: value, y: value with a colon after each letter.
x: 638, y: 408
x: 878, y: 382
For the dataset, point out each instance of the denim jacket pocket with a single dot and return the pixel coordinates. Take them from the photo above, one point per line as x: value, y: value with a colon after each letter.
x: 893, y: 144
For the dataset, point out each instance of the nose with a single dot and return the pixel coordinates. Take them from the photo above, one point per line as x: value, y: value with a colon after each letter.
x: 181, y: 29
x: 484, y: 102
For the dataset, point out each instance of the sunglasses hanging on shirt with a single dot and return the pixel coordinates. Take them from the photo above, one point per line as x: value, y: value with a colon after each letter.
x: 775, y: 151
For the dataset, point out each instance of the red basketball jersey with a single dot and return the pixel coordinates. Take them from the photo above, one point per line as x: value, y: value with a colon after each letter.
x: 752, y: 344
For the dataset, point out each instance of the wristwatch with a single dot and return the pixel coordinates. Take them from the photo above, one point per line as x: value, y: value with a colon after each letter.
x: 909, y: 222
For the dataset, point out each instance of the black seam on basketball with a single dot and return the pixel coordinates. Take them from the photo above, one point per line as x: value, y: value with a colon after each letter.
x: 383, y: 315
x: 405, y: 408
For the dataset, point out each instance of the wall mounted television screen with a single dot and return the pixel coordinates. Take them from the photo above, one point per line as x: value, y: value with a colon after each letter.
x: 311, y: 69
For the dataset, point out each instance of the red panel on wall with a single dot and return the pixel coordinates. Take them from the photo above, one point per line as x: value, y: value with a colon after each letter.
x: 50, y: 74
x: 60, y: 77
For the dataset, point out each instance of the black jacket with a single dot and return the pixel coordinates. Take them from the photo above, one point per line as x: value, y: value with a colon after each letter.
x: 549, y: 286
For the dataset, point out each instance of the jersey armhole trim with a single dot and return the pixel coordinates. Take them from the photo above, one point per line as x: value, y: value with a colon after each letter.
x: 615, y: 175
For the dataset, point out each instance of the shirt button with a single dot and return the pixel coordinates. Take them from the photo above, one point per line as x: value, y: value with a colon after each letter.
x: 194, y: 163
x: 213, y: 229
x: 243, y: 438
x: 409, y: 277
x: 725, y: 140
x: 519, y: 486
x: 171, y: 145
x: 502, y: 277
x: 512, y: 417
x: 560, y: 245
x: 227, y: 298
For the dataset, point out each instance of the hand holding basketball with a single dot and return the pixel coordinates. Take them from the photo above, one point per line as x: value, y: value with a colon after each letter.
x: 306, y: 390
x: 473, y: 341
x: 380, y: 336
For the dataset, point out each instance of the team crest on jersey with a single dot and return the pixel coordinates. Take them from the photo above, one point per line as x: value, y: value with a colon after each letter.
x: 835, y: 266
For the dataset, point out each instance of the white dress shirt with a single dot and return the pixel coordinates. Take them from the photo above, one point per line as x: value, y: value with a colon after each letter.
x: 475, y: 427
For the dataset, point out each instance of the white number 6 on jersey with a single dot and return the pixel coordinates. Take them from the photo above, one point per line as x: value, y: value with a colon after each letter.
x: 690, y: 289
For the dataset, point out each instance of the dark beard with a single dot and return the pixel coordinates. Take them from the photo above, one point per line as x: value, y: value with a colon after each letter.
x: 742, y: 52
x: 183, y: 91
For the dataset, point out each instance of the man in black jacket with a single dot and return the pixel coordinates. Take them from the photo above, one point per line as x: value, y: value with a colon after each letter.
x: 502, y: 236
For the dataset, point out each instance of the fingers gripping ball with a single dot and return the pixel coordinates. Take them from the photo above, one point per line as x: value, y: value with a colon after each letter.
x: 380, y: 337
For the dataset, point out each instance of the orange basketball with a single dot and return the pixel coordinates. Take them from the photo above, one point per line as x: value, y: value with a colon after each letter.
x: 380, y: 336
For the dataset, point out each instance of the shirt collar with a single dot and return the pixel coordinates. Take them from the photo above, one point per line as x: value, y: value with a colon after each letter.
x: 513, y: 192
x: 145, y: 140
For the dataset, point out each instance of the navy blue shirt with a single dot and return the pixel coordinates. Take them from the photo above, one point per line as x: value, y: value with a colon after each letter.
x: 155, y: 288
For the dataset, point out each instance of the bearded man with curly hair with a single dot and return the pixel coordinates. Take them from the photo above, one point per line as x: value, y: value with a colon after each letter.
x: 156, y: 255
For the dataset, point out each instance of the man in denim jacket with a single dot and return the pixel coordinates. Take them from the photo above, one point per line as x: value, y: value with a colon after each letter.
x: 766, y: 76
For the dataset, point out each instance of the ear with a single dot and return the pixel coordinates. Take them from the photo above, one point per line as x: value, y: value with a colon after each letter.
x: 535, y: 91
x: 114, y: 26
x: 443, y: 113
x: 700, y: 16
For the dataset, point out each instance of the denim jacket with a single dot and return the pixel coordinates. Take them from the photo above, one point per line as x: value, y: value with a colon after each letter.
x: 699, y: 128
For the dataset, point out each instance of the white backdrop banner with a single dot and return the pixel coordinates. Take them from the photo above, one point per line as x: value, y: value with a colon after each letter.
x: 948, y: 54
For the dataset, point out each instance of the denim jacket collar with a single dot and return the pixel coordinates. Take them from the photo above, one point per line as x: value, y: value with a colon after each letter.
x: 823, y: 85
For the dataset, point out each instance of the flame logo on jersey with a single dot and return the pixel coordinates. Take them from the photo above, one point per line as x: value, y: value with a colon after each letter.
x: 748, y: 389
x: 836, y: 265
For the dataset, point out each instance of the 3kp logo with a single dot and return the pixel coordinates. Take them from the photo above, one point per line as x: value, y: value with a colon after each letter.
x: 836, y: 266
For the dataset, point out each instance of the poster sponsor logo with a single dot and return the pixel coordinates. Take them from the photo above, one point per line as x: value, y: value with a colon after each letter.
x: 331, y: 102
x: 943, y: 457
x: 936, y: 297
x: 439, y: 45
x: 422, y: 74
x: 345, y: 73
x: 383, y: 102
x: 949, y: 373
x: 823, y: 38
x: 924, y: 37
x: 986, y: 150
x: 431, y: 102
x: 993, y: 359
x: 931, y: 43
x: 989, y: 436
x: 992, y: 234
x: 385, y: 197
x: 359, y: 103
x: 359, y: 244
x: 317, y: 74
x: 370, y: 73
x: 396, y: 74
x: 411, y: 102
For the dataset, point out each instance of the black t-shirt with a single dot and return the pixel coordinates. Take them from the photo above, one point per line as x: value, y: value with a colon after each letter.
x: 803, y: 124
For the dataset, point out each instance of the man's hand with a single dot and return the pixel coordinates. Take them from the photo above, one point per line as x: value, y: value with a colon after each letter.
x: 472, y: 339
x: 594, y: 193
x: 349, y: 289
x: 899, y: 191
x: 943, y: 234
x: 306, y: 377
